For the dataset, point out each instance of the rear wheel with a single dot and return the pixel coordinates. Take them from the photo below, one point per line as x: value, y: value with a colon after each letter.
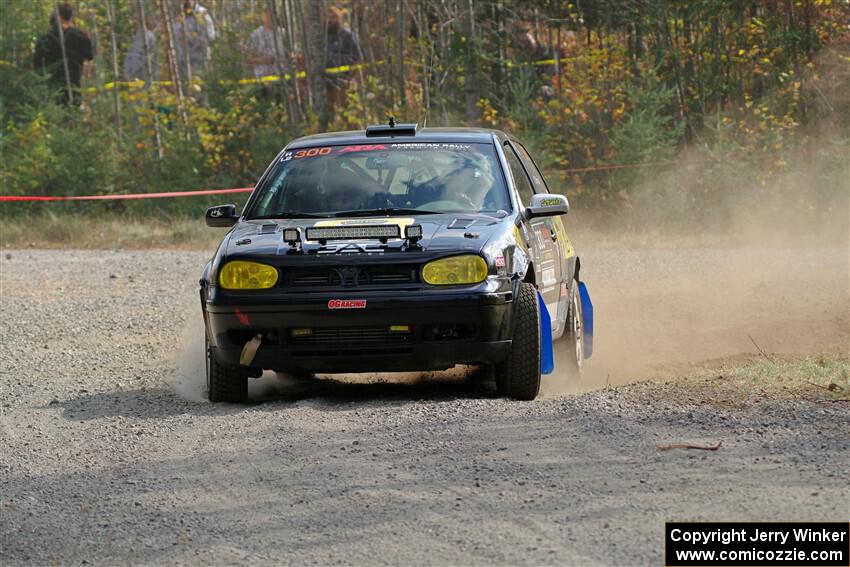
x: 518, y: 376
x: 224, y: 383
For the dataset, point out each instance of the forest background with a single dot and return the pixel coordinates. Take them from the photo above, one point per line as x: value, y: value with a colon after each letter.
x: 644, y: 112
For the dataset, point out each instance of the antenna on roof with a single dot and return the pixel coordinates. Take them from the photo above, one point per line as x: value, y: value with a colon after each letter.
x: 392, y: 121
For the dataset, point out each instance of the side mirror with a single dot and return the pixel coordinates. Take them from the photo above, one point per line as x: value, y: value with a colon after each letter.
x: 546, y: 205
x: 222, y: 216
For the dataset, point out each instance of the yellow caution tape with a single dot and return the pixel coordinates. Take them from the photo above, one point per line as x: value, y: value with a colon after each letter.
x: 138, y: 83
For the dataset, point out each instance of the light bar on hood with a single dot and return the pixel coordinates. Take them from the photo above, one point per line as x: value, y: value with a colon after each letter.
x: 382, y: 232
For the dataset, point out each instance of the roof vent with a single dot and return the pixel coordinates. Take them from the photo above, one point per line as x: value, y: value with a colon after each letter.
x: 391, y: 128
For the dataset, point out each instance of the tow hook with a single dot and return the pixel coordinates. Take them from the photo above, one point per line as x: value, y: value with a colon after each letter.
x: 249, y: 351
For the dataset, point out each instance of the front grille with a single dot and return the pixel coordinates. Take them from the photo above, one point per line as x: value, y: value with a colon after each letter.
x: 345, y: 341
x: 352, y: 276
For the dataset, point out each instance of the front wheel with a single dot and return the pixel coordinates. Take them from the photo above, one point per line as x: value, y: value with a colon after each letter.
x: 225, y: 384
x: 518, y: 376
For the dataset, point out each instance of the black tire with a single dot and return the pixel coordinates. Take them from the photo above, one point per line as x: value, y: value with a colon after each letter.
x: 225, y: 384
x: 573, y: 344
x: 518, y: 376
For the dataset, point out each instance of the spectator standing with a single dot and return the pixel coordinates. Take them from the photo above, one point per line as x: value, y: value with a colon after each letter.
x: 531, y: 52
x: 193, y: 34
x: 48, y: 56
x: 264, y: 57
x: 135, y: 66
x: 341, y: 49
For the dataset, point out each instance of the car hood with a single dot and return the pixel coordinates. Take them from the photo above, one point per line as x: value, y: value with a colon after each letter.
x: 440, y: 233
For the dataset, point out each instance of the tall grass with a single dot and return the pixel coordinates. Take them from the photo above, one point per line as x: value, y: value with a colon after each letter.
x: 107, y: 231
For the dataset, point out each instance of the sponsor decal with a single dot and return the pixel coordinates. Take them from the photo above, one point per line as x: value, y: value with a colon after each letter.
x: 563, y: 240
x: 431, y: 146
x: 550, y: 202
x: 549, y: 280
x: 501, y: 264
x: 362, y: 148
x: 347, y: 304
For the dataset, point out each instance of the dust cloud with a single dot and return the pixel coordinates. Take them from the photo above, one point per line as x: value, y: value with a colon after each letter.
x: 189, y: 378
x: 684, y: 280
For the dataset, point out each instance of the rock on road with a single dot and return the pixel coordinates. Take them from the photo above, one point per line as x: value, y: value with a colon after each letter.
x: 103, y: 462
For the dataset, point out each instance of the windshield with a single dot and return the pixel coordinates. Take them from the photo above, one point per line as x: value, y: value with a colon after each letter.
x: 329, y: 181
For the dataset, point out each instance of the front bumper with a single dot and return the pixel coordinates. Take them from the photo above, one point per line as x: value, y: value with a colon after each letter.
x: 395, y: 331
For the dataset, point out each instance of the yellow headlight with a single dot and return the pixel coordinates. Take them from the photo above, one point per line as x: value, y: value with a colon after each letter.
x: 240, y: 274
x: 455, y: 270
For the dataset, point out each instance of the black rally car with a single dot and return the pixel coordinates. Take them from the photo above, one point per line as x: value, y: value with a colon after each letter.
x: 393, y: 249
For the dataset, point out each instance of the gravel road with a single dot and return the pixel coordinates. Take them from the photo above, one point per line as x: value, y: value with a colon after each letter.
x: 108, y: 456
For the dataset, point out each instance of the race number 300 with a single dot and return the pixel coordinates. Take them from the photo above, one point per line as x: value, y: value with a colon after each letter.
x: 312, y: 152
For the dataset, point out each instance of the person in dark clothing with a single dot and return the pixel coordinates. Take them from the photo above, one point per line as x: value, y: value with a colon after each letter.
x: 341, y: 49
x: 78, y: 49
x: 531, y: 53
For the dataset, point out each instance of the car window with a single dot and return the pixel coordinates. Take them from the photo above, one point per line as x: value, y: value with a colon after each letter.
x: 523, y: 185
x: 536, y: 177
x: 437, y: 177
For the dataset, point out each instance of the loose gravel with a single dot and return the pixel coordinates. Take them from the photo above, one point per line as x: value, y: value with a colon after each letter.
x: 109, y: 458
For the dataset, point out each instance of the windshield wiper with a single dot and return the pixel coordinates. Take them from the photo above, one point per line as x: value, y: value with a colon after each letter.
x: 385, y: 211
x: 290, y: 215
